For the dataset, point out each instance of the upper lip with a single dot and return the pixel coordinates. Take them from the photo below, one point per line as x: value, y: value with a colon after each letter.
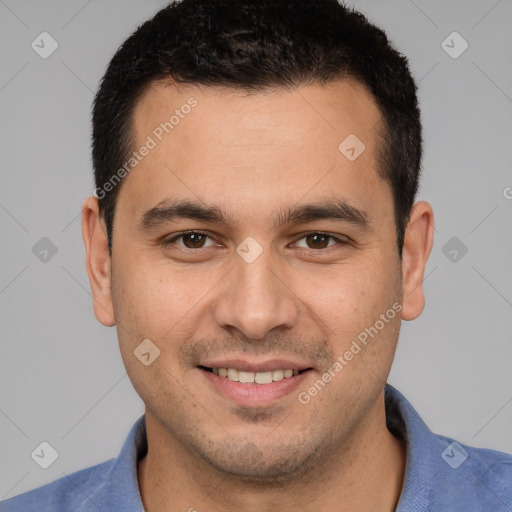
x: 262, y: 366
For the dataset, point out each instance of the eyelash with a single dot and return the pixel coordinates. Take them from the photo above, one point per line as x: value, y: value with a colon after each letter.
x: 169, y: 241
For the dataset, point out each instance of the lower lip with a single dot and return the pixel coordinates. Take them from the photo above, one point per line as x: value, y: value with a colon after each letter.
x: 255, y: 395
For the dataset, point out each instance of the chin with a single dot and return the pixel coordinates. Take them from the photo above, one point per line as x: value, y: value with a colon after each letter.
x: 266, y: 465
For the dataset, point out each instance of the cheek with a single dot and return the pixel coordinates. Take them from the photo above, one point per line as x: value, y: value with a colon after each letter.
x: 149, y: 305
x: 349, y: 304
x: 153, y: 298
x: 351, y: 293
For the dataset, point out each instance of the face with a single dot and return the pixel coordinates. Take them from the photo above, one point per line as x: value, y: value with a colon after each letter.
x: 248, y: 239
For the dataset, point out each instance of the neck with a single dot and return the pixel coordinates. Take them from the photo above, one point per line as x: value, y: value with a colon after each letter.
x: 365, y: 473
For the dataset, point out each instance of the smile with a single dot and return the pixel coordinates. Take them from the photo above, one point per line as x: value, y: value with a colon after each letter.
x: 245, y: 377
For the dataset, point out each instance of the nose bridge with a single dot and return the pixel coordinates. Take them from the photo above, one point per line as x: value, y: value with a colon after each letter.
x: 255, y: 298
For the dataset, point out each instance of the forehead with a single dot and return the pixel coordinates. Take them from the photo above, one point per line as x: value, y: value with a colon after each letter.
x: 334, y: 107
x: 258, y: 149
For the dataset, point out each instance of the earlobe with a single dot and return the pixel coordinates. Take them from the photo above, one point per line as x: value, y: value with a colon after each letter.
x: 419, y: 237
x: 97, y: 261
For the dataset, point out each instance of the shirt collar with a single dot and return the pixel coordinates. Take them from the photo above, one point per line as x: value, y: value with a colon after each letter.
x: 422, y: 447
x: 123, y: 484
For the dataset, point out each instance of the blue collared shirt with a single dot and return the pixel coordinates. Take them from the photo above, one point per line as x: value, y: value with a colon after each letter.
x: 441, y: 475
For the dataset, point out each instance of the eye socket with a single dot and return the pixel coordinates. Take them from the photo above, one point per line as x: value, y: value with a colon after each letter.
x: 321, y: 240
x: 314, y: 240
x: 196, y: 240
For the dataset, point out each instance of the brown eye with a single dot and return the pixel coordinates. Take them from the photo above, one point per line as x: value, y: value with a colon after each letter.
x: 317, y: 241
x: 194, y: 240
x: 189, y: 240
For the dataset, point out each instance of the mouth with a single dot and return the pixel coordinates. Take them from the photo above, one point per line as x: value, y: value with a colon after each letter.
x: 254, y: 388
x: 260, y: 377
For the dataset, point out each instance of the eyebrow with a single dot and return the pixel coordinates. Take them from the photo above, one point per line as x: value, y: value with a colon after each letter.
x: 330, y: 209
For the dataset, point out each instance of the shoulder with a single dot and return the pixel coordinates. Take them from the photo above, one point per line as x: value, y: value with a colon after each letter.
x: 444, y: 474
x: 110, y: 486
x: 477, y: 476
x: 80, y: 492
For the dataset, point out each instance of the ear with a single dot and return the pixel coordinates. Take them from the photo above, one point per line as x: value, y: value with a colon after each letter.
x: 97, y: 260
x: 418, y: 240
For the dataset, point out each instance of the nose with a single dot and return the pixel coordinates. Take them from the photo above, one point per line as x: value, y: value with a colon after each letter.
x: 255, y: 298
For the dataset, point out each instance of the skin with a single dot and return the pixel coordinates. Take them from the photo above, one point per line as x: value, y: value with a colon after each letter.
x: 253, y: 156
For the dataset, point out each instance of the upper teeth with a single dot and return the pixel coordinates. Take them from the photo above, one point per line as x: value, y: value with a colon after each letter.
x: 257, y: 377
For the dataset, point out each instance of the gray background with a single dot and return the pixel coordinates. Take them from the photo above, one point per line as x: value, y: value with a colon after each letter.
x: 61, y: 375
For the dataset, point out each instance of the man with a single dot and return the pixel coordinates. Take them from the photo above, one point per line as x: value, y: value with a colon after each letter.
x: 255, y: 240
